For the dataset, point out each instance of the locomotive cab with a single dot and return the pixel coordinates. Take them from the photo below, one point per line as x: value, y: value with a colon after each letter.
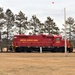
x: 59, y: 44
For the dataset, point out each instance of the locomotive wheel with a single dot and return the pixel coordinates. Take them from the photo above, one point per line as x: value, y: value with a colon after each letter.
x: 62, y: 49
x: 29, y: 50
x: 55, y: 49
x: 17, y: 49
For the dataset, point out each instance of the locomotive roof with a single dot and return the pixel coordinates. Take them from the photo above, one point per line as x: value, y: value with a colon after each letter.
x: 39, y: 35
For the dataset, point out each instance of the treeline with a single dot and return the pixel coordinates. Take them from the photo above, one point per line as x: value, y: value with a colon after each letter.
x: 11, y: 24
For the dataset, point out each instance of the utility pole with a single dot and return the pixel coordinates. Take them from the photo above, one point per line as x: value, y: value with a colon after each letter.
x: 7, y: 34
x: 65, y: 31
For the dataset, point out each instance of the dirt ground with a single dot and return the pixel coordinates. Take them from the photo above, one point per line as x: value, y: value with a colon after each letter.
x: 37, y: 64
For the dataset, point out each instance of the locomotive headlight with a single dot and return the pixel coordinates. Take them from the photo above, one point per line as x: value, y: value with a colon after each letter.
x: 68, y: 46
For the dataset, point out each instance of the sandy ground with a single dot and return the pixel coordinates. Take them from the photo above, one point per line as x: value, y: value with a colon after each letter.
x: 37, y: 64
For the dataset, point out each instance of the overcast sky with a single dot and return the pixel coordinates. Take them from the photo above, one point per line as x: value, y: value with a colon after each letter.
x: 42, y: 8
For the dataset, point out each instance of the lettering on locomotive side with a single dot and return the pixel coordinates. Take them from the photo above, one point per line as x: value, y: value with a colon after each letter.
x: 22, y: 40
x: 35, y: 40
x: 28, y: 40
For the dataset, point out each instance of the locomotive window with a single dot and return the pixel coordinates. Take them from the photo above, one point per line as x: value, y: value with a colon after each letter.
x: 57, y: 39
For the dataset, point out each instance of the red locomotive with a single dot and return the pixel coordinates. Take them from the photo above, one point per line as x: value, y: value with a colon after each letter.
x: 32, y: 43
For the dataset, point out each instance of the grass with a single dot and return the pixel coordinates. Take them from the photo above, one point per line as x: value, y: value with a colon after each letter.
x: 37, y: 64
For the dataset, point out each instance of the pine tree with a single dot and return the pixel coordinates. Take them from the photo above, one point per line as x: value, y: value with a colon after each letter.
x: 50, y: 26
x: 9, y: 17
x: 35, y: 25
x: 21, y: 22
x: 70, y: 28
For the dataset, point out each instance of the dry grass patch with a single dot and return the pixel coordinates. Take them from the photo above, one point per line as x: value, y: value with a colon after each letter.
x: 37, y: 64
